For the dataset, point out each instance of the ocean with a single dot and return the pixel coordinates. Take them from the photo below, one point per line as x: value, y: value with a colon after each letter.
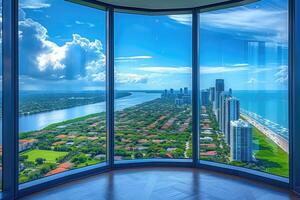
x: 270, y: 107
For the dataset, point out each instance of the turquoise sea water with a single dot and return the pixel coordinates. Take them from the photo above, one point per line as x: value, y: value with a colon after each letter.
x: 269, y: 107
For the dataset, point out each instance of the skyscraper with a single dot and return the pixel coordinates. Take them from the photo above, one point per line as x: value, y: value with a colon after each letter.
x: 232, y: 113
x: 212, y: 94
x: 221, y: 113
x: 218, y: 89
x: 205, y: 97
x: 186, y: 91
x: 241, y: 141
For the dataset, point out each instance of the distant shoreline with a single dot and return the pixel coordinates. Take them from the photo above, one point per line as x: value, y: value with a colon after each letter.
x: 22, y: 113
x: 277, y: 139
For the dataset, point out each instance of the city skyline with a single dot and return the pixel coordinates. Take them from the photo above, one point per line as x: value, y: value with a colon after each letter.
x: 226, y: 108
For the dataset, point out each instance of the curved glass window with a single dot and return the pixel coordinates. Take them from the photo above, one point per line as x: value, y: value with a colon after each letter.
x: 152, y: 87
x: 244, y: 86
x: 62, y: 123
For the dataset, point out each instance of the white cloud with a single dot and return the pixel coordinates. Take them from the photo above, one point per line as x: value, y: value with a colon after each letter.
x: 34, y: 4
x: 266, y: 24
x: 53, y: 57
x: 127, y: 78
x: 91, y: 25
x: 282, y: 75
x: 85, y: 23
x: 41, y: 58
x: 217, y: 70
x: 175, y: 70
x: 79, y: 22
x: 262, y: 24
x: 240, y: 65
x: 254, y: 81
x: 182, y: 19
x: 131, y: 58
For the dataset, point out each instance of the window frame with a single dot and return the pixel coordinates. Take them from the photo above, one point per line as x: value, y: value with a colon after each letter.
x: 11, y: 188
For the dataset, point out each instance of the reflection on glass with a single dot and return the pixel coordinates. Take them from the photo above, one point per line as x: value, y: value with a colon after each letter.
x: 62, y: 88
x: 244, y: 86
x: 153, y: 76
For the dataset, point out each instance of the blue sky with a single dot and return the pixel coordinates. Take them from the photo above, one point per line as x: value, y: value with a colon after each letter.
x: 62, y: 47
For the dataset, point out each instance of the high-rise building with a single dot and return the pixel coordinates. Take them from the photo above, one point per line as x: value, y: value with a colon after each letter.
x: 164, y: 95
x: 212, y: 94
x: 178, y: 101
x: 219, y: 85
x: 171, y: 91
x: 230, y: 91
x: 187, y: 99
x: 205, y: 97
x: 181, y: 91
x: 241, y: 141
x: 221, y: 112
x: 186, y: 91
x: 219, y: 88
x: 232, y: 113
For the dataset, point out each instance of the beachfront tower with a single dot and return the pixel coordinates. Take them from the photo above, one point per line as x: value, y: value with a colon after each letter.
x: 219, y: 88
x: 205, y: 97
x: 241, y: 141
x: 221, y: 113
x: 232, y: 113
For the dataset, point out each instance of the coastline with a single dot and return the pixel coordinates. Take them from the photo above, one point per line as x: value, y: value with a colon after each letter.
x: 277, y: 139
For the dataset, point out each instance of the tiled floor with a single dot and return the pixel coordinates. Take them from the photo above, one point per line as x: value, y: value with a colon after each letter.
x: 163, y: 184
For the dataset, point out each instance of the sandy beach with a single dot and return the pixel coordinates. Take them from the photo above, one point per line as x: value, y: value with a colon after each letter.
x: 279, y: 140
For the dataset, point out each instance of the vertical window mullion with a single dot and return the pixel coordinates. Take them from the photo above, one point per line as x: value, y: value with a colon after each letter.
x: 195, y: 85
x: 110, y: 84
x: 294, y: 98
x: 10, y: 98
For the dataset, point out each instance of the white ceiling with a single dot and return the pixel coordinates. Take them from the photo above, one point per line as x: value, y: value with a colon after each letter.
x: 162, y: 4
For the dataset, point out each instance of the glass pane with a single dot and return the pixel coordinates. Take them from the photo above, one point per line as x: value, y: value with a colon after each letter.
x: 62, y: 88
x: 152, y: 87
x: 244, y: 86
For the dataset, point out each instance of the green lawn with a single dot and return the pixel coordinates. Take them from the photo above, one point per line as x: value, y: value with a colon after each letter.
x: 49, y: 156
x: 88, y: 163
x: 271, y: 155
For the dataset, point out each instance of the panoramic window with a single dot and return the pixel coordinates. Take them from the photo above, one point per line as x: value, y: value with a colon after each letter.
x: 244, y: 86
x: 152, y: 87
x: 62, y: 84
